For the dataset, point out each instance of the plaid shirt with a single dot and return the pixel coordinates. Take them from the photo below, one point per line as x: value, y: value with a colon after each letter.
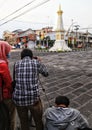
x: 27, y: 71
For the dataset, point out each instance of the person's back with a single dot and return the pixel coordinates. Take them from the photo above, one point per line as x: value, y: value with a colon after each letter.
x: 61, y: 117
x: 27, y: 80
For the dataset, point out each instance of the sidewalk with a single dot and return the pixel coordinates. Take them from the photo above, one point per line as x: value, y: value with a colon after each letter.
x: 70, y: 74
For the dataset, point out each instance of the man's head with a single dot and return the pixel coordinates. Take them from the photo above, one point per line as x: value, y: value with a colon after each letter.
x: 62, y: 100
x: 26, y: 52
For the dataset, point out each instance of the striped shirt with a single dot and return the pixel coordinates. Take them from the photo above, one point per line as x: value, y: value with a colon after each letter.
x: 27, y: 71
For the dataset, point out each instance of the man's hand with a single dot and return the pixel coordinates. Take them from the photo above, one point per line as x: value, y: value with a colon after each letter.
x: 37, y: 58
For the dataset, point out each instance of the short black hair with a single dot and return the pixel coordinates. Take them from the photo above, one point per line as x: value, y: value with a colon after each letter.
x: 62, y: 100
x: 26, y: 52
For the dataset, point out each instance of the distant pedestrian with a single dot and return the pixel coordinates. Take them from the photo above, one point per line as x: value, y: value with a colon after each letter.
x: 62, y: 117
x: 26, y: 93
x: 7, y: 107
x: 24, y: 42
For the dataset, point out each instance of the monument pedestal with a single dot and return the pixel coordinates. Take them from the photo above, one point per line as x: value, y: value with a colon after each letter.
x: 60, y: 45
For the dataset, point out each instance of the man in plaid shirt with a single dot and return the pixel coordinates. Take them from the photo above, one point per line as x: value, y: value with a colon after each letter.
x: 26, y: 92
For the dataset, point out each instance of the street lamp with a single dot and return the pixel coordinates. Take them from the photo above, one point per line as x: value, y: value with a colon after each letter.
x: 87, y: 34
x: 76, y: 28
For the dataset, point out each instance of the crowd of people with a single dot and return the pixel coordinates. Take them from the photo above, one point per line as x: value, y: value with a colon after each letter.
x: 21, y: 94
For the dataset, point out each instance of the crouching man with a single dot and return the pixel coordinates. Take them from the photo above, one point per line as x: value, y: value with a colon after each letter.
x: 62, y: 117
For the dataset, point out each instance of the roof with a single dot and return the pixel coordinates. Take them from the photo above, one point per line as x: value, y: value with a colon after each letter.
x: 26, y: 33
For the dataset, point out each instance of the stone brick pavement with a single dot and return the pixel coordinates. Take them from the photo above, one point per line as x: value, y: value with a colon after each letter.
x: 70, y: 74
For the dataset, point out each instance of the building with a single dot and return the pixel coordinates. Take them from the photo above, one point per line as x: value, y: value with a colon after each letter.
x: 43, y: 32
x: 26, y: 35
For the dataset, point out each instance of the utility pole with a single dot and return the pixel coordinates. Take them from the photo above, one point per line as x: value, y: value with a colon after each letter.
x: 76, y: 28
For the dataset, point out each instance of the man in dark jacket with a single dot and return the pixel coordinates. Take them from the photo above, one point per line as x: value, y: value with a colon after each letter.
x: 61, y: 117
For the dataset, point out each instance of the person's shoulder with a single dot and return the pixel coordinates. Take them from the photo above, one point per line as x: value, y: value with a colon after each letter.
x: 18, y: 61
x: 36, y: 61
x: 75, y: 110
x: 50, y: 109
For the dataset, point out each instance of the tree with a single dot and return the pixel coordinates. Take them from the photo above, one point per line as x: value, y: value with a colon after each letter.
x: 9, y: 37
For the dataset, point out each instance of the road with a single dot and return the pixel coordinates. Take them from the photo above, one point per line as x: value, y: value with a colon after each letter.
x: 70, y: 74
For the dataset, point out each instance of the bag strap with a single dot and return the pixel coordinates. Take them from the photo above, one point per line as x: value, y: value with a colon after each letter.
x: 14, y: 72
x: 1, y: 88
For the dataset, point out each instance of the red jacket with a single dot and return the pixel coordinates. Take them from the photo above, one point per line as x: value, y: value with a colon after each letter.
x: 6, y: 80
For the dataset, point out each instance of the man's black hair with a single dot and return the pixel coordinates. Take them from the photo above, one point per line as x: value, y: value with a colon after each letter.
x: 26, y: 52
x: 62, y: 100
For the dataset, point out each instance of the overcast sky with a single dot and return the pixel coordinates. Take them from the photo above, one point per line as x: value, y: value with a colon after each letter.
x: 42, y: 13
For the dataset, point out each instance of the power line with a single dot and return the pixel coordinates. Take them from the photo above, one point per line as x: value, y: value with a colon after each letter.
x: 25, y: 12
x: 17, y: 10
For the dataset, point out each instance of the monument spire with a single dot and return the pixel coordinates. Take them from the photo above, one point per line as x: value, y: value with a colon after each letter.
x: 60, y: 44
x: 60, y: 26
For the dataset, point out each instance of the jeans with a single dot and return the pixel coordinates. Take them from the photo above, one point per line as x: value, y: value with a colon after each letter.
x: 12, y: 112
x: 36, y: 113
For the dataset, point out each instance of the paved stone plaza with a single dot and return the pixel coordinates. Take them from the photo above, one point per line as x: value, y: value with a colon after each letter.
x: 70, y: 74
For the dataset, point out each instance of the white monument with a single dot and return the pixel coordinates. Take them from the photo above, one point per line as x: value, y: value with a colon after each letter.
x: 60, y: 44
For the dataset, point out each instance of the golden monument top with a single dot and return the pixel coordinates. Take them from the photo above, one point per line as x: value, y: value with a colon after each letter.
x: 59, y: 11
x: 59, y: 6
